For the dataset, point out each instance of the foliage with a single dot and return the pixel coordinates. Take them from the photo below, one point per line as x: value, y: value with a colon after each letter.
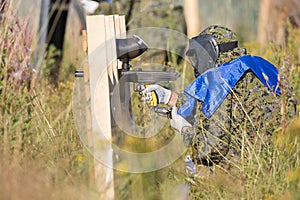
x: 40, y: 149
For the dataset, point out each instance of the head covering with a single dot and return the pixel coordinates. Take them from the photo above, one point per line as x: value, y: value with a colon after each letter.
x: 213, y: 47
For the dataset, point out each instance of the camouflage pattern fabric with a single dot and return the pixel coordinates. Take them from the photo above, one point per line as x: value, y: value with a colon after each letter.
x: 224, y: 35
x: 221, y: 34
x: 155, y: 13
x: 250, y: 110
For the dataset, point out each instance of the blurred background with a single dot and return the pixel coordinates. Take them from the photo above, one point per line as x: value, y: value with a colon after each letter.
x: 260, y: 21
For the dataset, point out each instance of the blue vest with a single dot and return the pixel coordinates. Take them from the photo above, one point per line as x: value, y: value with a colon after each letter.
x: 212, y: 86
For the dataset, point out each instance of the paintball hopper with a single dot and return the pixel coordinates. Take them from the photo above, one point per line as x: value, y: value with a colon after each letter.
x: 130, y: 48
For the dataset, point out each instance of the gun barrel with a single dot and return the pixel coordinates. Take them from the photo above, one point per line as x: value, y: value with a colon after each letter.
x: 150, y: 77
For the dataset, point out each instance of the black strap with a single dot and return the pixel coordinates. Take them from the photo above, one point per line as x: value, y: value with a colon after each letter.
x: 223, y: 47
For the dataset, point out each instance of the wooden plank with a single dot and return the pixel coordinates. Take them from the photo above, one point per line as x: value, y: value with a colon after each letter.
x: 84, y: 41
x: 112, y: 48
x: 122, y: 26
x: 121, y: 32
x: 108, y: 45
x: 86, y: 100
x: 117, y: 35
x: 100, y: 102
x: 116, y: 32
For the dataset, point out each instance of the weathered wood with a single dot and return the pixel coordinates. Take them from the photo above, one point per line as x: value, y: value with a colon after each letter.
x: 109, y: 26
x: 122, y: 26
x: 101, y: 76
x: 87, y: 97
x: 117, y: 35
x: 100, y: 102
x: 84, y: 41
x: 121, y: 32
x: 113, y: 52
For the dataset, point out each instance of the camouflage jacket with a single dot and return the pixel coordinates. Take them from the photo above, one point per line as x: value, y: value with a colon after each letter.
x: 250, y: 110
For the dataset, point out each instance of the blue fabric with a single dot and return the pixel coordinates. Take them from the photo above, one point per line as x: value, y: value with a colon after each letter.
x: 213, y: 85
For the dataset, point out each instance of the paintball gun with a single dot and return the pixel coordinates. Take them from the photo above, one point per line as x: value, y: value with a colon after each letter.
x: 128, y: 49
x: 143, y: 78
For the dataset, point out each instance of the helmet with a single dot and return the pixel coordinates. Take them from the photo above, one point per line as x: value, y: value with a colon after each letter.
x: 207, y: 50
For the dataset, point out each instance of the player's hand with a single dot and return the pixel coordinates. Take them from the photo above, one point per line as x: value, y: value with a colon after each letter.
x: 163, y: 95
x: 177, y: 121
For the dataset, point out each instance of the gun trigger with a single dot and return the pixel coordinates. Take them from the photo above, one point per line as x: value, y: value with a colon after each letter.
x: 169, y: 113
x: 139, y: 87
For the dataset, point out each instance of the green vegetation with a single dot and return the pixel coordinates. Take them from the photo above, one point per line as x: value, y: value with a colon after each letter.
x: 42, y: 157
x: 41, y: 154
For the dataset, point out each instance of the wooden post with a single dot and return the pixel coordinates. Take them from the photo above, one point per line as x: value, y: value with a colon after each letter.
x: 99, y: 35
x: 100, y: 75
x: 102, y: 57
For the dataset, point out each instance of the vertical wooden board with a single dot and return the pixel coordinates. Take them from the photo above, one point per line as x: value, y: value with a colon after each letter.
x: 111, y: 62
x: 117, y: 25
x: 99, y: 87
x: 117, y: 35
x: 122, y: 26
x: 86, y: 91
x: 108, y: 45
x: 84, y: 41
x: 112, y: 44
x: 113, y: 47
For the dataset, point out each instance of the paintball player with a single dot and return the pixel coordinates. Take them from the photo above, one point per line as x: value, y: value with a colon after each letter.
x: 234, y: 94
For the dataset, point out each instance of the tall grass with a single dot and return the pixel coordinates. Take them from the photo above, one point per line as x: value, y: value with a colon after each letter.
x: 41, y: 154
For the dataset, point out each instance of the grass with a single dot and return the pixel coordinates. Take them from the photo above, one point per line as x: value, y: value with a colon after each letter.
x: 42, y: 156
